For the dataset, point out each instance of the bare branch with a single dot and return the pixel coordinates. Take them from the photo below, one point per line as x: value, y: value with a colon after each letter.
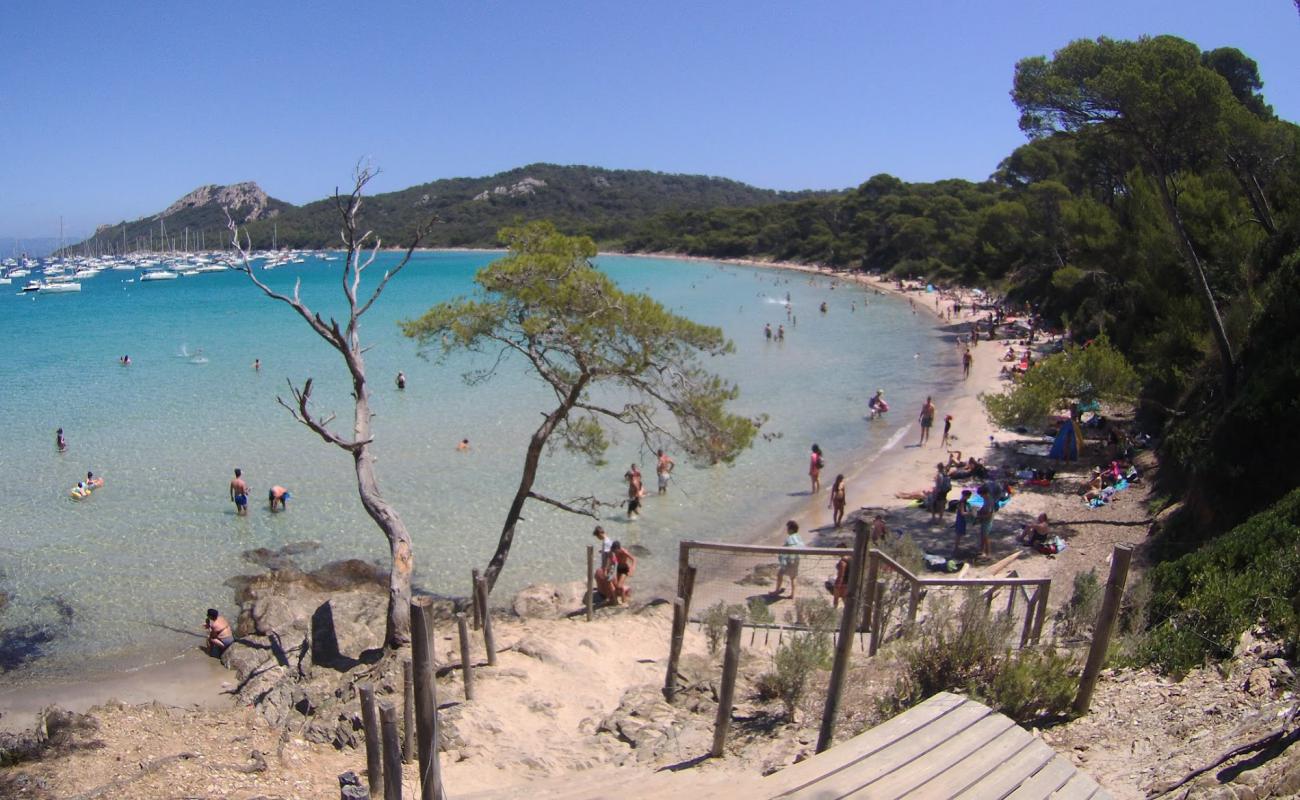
x: 591, y: 512
x: 298, y: 409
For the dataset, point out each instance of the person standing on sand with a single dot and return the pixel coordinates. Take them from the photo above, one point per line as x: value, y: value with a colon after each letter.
x: 663, y: 470
x: 947, y: 430
x: 815, y: 464
x: 966, y: 360
x: 60, y: 443
x: 939, y: 496
x: 788, y: 565
x: 926, y: 418
x: 985, y: 519
x: 963, y: 516
x: 838, y: 500
x: 239, y: 493
x: 840, y: 588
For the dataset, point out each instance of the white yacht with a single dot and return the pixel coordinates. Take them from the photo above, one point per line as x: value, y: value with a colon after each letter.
x: 159, y: 275
x: 60, y: 287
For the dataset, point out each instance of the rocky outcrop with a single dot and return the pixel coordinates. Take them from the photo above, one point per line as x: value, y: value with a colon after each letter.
x: 549, y: 601
x: 522, y: 188
x: 246, y: 201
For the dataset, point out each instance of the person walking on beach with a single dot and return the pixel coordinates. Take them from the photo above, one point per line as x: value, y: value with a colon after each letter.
x: 624, y: 566
x: 947, y: 430
x: 815, y: 464
x: 239, y: 493
x: 838, y: 500
x: 788, y: 565
x: 60, y: 443
x: 664, y: 470
x: 926, y: 418
x: 966, y: 360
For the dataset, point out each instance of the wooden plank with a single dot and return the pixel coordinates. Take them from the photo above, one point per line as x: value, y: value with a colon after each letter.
x: 865, y: 744
x: 1045, y: 781
x: 975, y: 766
x: 917, y: 744
x: 1080, y: 786
x: 764, y: 549
x: 932, y: 758
x: 1008, y: 775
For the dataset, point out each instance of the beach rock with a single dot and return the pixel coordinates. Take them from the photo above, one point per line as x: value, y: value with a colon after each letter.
x: 549, y: 601
x: 538, y: 648
x: 1260, y: 682
x: 655, y: 730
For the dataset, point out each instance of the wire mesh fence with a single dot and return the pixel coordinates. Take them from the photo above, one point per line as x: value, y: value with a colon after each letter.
x: 779, y: 591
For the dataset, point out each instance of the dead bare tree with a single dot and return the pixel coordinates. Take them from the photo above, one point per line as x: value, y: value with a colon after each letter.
x: 361, y: 249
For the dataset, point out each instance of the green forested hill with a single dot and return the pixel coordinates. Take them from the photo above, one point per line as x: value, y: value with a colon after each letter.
x: 602, y: 203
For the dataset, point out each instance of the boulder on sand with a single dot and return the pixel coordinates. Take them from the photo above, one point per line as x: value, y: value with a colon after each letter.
x: 549, y: 601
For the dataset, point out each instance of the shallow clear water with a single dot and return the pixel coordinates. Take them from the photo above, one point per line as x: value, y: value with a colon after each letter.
x: 148, y: 552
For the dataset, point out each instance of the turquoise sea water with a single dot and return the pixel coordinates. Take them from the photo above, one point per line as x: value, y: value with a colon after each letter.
x: 111, y: 577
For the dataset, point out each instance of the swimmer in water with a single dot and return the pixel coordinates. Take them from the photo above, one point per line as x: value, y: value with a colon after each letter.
x: 257, y: 365
x: 463, y: 445
x: 401, y: 380
x: 60, y: 442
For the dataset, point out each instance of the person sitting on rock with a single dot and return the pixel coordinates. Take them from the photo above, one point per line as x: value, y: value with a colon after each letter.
x: 219, y: 634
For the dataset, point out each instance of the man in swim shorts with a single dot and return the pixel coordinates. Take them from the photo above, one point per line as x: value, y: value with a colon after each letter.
x: 926, y: 418
x: 278, y: 495
x: 219, y: 634
x: 239, y: 493
x: 663, y: 470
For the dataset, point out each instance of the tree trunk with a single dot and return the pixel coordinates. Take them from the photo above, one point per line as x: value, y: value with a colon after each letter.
x: 531, y: 459
x: 1204, y: 292
x: 397, y: 632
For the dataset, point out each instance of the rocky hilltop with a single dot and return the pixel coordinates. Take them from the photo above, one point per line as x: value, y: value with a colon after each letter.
x: 247, y: 198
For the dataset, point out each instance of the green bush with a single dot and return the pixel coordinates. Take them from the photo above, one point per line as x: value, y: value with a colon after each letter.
x: 1082, y: 374
x: 814, y: 613
x: 759, y: 613
x: 1202, y: 602
x: 1080, y: 612
x: 966, y: 650
x: 1031, y: 685
x: 794, y: 663
x: 715, y: 622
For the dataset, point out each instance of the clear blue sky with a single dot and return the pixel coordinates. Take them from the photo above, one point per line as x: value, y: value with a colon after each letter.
x: 113, y: 110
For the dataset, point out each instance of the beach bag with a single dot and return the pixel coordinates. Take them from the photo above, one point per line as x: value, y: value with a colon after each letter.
x: 821, y: 462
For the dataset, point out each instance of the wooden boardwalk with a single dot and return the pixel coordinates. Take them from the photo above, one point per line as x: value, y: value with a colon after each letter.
x: 946, y: 748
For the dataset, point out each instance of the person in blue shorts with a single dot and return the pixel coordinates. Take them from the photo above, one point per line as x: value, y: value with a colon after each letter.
x: 239, y: 493
x: 278, y: 496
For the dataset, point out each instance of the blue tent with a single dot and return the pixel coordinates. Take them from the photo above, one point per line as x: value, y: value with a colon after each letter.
x: 1066, y: 446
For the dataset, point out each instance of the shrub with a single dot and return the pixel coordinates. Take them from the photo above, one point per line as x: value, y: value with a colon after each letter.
x: 965, y: 649
x: 1080, y: 612
x: 759, y: 613
x: 1031, y: 685
x: 1203, y: 601
x: 1083, y: 374
x: 795, y: 661
x: 715, y: 622
x: 814, y: 613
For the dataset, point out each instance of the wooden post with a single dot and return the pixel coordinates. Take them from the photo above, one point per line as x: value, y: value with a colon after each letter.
x: 913, y: 601
x: 1011, y: 600
x: 1031, y: 613
x: 730, y: 662
x: 1119, y: 561
x: 408, y: 712
x: 683, y: 561
x: 869, y: 596
x: 426, y: 699
x: 392, y: 752
x: 473, y: 597
x: 877, y: 619
x: 374, y: 744
x: 675, y: 648
x: 591, y: 581
x: 1040, y: 613
x: 844, y: 647
x: 489, y: 640
x: 688, y: 591
x: 462, y: 628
